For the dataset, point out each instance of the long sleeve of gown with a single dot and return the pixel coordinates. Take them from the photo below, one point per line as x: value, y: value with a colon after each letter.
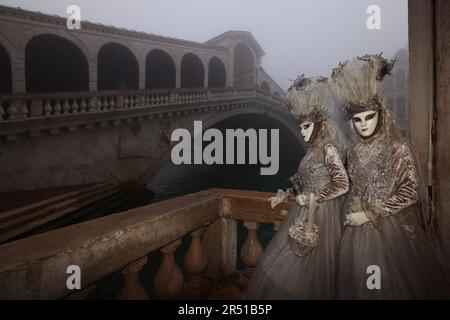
x: 339, y: 179
x: 405, y: 188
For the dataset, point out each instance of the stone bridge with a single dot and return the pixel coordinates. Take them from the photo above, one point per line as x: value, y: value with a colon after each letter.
x: 99, y: 104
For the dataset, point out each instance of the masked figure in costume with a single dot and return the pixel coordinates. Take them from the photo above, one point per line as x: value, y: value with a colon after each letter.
x: 385, y: 252
x: 300, y: 261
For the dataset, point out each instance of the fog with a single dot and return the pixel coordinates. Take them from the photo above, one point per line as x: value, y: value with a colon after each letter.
x: 298, y: 36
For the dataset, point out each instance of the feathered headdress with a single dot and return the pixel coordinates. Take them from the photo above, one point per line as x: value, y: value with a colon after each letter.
x: 307, y: 98
x: 357, y: 82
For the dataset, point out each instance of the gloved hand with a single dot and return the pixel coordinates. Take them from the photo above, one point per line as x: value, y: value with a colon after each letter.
x: 360, y: 214
x: 302, y: 200
x: 280, y: 197
x: 356, y: 219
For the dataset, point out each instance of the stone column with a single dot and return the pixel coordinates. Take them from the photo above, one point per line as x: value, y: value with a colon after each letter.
x: 18, y: 73
x: 93, y: 66
x: 142, y: 70
x: 206, y: 74
x: 178, y: 72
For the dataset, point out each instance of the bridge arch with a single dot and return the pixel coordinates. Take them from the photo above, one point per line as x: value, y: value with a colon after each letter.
x: 244, y: 66
x: 192, y: 71
x: 279, y: 116
x: 217, y: 75
x: 5, y: 74
x: 53, y: 64
x: 160, y: 70
x: 117, y: 68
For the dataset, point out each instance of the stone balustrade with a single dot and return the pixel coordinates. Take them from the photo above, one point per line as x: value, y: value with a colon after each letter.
x: 35, y: 267
x: 33, y: 115
x: 32, y: 106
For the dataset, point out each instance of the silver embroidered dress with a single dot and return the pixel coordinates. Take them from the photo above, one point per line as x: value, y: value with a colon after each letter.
x: 281, y: 274
x: 384, y: 183
x: 383, y: 175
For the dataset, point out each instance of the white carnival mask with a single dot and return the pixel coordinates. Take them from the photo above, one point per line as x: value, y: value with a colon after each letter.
x: 306, y: 129
x: 365, y: 122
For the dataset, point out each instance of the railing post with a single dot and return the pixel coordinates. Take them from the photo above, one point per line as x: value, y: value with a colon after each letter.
x: 196, y: 262
x: 220, y: 244
x: 251, y: 250
x: 132, y: 288
x: 169, y: 279
x: 36, y: 108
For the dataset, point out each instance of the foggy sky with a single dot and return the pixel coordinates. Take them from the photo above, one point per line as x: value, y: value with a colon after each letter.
x: 298, y: 36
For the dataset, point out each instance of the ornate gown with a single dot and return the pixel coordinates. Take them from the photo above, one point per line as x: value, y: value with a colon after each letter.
x: 383, y: 174
x: 281, y: 274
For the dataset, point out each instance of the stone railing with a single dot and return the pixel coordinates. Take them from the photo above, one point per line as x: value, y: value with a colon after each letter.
x: 48, y: 105
x: 36, y: 267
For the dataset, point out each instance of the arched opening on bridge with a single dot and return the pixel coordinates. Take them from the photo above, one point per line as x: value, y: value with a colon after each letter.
x: 160, y: 70
x: 265, y: 87
x: 244, y: 67
x: 174, y: 180
x: 192, y: 71
x: 216, y: 73
x: 5, y: 71
x: 117, y: 68
x: 54, y: 64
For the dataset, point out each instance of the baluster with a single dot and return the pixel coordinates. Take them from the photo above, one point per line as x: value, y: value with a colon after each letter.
x: 169, y: 279
x: 196, y: 263
x: 137, y: 100
x: 74, y: 106
x: 2, y: 111
x: 112, y: 104
x: 13, y: 113
x: 23, y: 109
x: 92, y: 104
x: 57, y: 107
x: 126, y: 102
x: 147, y: 100
x: 132, y: 288
x: 66, y: 106
x: 105, y: 104
x: 47, y: 108
x: 83, y: 105
x: 99, y: 104
x: 131, y: 103
x: 251, y: 250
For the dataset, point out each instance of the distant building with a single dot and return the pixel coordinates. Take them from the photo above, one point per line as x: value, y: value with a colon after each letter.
x: 395, y: 91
